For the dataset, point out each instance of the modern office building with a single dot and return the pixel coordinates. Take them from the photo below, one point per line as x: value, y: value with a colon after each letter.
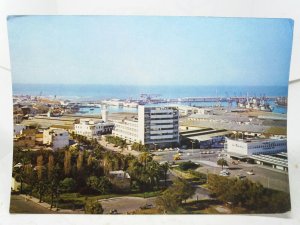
x: 155, y: 125
x: 255, y: 146
x: 158, y: 124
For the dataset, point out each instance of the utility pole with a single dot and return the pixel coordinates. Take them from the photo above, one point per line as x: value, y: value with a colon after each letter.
x: 207, y: 176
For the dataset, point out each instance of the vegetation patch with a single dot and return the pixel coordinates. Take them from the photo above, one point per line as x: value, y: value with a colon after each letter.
x: 189, y: 165
x: 249, y: 195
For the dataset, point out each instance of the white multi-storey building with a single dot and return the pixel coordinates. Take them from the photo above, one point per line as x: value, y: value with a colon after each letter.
x: 93, y: 127
x: 158, y: 124
x: 127, y: 129
x: 56, y: 138
x: 155, y: 125
x: 255, y: 146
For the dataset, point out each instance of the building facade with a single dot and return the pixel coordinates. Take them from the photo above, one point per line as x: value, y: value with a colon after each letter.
x: 92, y: 128
x: 126, y: 129
x: 56, y: 138
x: 158, y: 125
x: 255, y: 146
x: 155, y: 125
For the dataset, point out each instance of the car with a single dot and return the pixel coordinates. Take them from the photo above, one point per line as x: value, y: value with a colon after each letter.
x: 224, y: 174
x: 147, y: 206
x: 113, y: 211
x: 240, y: 176
x: 250, y: 172
x: 159, y: 150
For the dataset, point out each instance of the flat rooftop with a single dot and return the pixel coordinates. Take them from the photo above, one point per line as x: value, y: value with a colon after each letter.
x: 257, y: 140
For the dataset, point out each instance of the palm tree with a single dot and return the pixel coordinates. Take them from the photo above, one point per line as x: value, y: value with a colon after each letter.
x: 144, y: 158
x: 153, y: 170
x: 165, y: 169
x: 222, y: 162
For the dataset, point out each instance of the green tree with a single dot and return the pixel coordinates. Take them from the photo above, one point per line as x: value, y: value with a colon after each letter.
x: 165, y: 169
x: 67, y: 162
x: 222, y: 162
x: 172, y: 198
x: 144, y: 158
x: 93, y: 207
x: 50, y: 165
x: 68, y: 185
x: 101, y: 185
x: 39, y: 166
x: 79, y: 161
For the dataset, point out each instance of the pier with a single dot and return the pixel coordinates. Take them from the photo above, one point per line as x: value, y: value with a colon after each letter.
x: 205, y: 99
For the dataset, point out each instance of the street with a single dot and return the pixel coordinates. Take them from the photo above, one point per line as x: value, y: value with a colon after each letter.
x: 19, y: 205
x: 268, y: 177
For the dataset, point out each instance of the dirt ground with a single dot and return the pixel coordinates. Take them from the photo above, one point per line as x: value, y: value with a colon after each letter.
x: 125, y: 204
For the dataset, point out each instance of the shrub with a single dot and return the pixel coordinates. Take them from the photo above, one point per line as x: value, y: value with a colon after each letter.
x: 188, y: 165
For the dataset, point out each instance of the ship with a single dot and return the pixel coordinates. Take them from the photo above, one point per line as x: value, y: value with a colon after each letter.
x: 281, y: 101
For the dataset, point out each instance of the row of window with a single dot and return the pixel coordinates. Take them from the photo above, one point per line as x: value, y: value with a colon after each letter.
x: 270, y: 145
x: 267, y: 152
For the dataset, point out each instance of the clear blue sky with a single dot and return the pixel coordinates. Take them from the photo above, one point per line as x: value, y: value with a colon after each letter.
x: 150, y: 50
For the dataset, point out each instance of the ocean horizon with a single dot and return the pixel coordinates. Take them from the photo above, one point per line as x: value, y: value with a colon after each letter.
x: 103, y: 91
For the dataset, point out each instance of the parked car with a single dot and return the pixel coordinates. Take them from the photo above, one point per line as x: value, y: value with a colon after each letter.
x: 113, y: 211
x: 250, y: 172
x: 224, y: 173
x: 147, y: 206
x: 240, y: 176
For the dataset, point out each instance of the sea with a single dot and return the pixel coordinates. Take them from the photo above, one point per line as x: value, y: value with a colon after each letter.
x: 91, y: 92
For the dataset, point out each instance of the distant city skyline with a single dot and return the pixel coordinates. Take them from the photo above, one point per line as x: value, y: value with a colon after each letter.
x: 140, y: 50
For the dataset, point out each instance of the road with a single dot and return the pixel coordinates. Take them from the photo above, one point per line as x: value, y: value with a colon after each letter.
x: 268, y: 177
x: 19, y: 205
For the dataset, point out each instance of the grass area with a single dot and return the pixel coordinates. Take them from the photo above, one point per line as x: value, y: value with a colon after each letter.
x: 183, y: 174
x: 190, y: 175
x: 277, y: 130
x: 146, y: 194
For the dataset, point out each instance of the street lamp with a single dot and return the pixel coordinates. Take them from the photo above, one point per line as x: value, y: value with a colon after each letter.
x: 192, y: 147
x: 154, y: 146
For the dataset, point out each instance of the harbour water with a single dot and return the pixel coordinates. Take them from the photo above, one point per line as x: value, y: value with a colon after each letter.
x: 113, y: 109
x: 101, y: 92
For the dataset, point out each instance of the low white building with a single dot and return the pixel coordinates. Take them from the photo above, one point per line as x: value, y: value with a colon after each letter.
x: 18, y: 129
x: 56, y: 138
x: 255, y: 146
x: 93, y: 127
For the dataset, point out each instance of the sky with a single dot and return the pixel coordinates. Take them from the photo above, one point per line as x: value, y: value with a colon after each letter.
x: 141, y: 50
